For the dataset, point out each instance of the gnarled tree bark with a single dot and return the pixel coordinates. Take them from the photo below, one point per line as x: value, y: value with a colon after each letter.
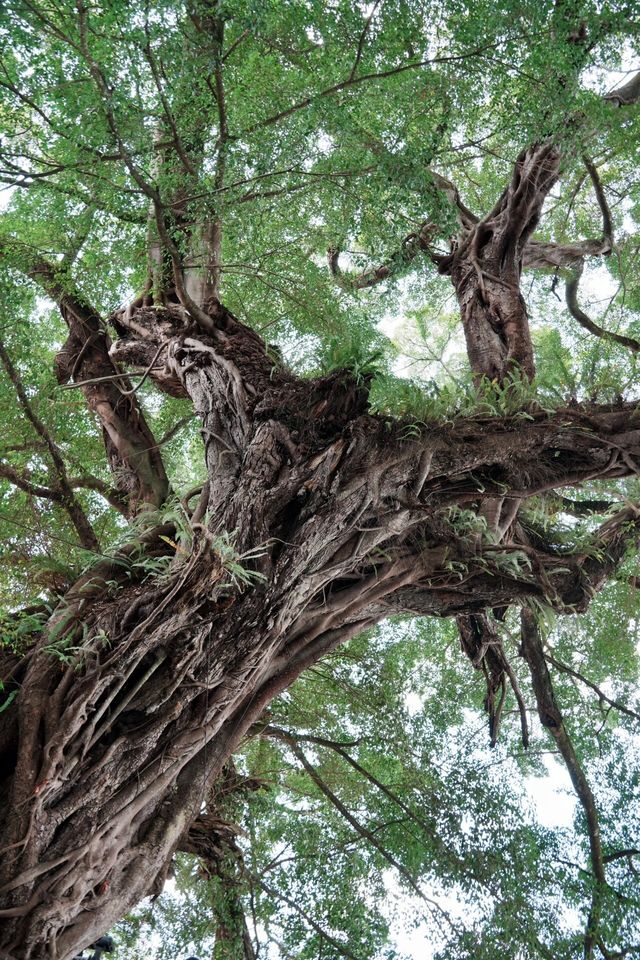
x: 485, y: 268
x: 341, y: 521
x: 139, y: 688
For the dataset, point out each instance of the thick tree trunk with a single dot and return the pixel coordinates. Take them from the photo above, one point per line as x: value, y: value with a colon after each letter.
x: 143, y: 683
x: 140, y: 689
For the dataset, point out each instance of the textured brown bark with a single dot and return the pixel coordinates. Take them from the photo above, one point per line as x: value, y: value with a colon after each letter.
x: 340, y: 517
x: 118, y: 746
x: 132, y: 452
x: 486, y: 265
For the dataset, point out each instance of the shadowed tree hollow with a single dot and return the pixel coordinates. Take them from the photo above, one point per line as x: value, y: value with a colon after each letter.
x: 217, y: 469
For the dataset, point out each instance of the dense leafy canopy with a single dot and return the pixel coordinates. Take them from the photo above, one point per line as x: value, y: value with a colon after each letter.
x: 335, y: 149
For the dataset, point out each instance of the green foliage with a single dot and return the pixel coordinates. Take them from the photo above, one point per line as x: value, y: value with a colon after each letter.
x: 319, y: 157
x: 430, y: 401
x: 234, y: 563
x: 16, y: 630
x: 355, y: 354
x: 422, y: 758
x: 8, y: 700
x: 420, y: 403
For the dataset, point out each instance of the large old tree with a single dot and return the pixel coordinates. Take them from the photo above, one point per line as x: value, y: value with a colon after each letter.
x: 211, y: 477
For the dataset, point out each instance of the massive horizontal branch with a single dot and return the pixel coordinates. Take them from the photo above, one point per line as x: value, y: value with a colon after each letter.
x: 518, y: 458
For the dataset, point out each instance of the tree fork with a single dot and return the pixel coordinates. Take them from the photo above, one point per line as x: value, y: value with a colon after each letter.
x: 486, y: 265
x: 119, y: 743
x: 134, y: 738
